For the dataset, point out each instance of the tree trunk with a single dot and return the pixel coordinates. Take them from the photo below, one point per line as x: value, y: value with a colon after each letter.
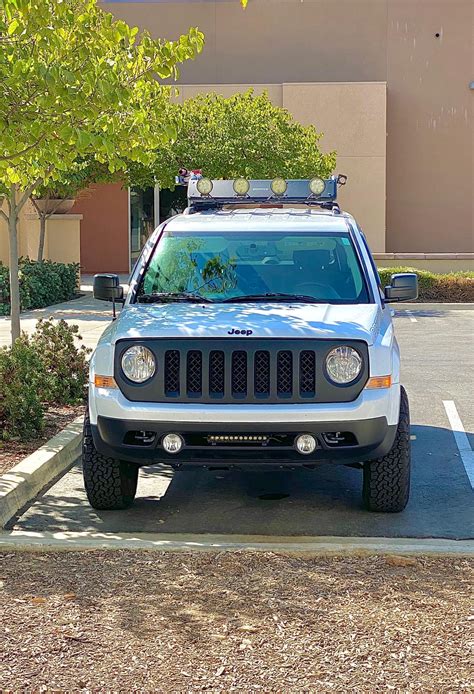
x: 42, y: 235
x: 14, y: 279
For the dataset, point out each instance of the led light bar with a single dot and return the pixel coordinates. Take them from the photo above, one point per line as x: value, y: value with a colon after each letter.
x: 238, y: 438
x: 212, y: 194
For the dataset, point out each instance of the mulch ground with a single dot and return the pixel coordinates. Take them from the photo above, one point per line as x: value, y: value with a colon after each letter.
x: 234, y: 622
x: 56, y: 418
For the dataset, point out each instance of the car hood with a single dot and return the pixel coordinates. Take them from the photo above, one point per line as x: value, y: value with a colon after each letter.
x: 278, y: 320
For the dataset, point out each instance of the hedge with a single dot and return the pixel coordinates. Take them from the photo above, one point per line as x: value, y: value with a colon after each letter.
x: 41, y: 284
x: 450, y: 287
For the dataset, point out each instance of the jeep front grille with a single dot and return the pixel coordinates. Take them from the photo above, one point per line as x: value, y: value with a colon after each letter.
x: 242, y: 363
x: 239, y: 371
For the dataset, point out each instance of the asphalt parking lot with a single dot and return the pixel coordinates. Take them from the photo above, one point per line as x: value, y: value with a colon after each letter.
x: 438, y: 372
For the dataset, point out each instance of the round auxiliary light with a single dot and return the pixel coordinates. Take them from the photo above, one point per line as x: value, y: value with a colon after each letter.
x: 305, y: 444
x: 279, y: 186
x: 241, y: 186
x: 204, y: 186
x: 138, y: 364
x: 172, y: 443
x: 317, y: 186
x: 343, y: 364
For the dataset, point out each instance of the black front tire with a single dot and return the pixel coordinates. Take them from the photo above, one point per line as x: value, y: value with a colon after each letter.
x: 386, y: 487
x: 110, y: 484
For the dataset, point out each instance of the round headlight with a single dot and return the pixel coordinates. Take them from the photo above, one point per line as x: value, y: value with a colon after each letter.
x: 279, y: 186
x: 241, y: 186
x: 343, y: 364
x: 204, y: 186
x: 138, y: 364
x: 317, y: 186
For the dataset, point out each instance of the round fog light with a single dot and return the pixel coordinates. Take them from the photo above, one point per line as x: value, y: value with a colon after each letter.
x: 305, y: 444
x: 172, y: 443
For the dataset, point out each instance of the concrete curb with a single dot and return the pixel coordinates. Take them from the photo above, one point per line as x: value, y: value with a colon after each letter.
x: 77, y: 541
x: 26, y: 480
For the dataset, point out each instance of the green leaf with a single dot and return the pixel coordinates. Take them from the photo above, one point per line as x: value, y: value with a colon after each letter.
x: 13, y: 26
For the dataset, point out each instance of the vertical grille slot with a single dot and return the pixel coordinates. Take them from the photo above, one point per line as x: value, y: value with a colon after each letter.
x: 285, y: 373
x: 216, y: 372
x: 261, y: 370
x: 307, y: 373
x: 239, y: 373
x: 194, y: 373
x: 172, y: 364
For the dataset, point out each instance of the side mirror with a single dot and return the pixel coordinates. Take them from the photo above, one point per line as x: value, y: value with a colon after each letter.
x: 402, y: 287
x: 107, y: 288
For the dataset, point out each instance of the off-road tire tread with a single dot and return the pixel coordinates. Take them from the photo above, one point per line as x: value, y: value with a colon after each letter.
x: 110, y: 484
x: 386, y: 486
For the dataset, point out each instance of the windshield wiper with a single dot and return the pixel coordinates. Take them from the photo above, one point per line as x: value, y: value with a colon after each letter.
x: 275, y: 296
x: 168, y: 297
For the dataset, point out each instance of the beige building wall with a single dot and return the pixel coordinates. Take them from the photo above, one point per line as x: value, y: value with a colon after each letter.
x: 422, y: 49
x: 62, y: 241
x: 352, y: 116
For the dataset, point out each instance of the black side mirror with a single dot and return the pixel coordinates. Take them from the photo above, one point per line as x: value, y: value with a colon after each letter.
x: 107, y: 288
x: 402, y: 287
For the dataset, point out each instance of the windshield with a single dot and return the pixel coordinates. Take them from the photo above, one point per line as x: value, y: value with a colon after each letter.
x: 230, y: 266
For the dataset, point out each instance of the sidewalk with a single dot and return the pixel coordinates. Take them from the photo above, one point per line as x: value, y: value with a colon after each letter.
x: 90, y: 315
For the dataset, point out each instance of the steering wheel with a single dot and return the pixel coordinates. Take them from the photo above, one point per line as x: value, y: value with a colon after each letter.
x: 314, y: 288
x: 270, y: 260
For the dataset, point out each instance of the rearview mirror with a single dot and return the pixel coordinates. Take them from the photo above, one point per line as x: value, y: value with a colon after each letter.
x: 403, y: 287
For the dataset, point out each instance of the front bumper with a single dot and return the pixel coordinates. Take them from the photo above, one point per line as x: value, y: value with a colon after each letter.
x: 367, y: 439
x: 371, y: 419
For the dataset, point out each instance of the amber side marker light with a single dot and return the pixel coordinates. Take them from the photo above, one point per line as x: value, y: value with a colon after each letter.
x: 104, y: 381
x: 379, y: 382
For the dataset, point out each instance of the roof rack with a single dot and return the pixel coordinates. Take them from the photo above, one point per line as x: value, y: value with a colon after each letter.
x: 204, y: 194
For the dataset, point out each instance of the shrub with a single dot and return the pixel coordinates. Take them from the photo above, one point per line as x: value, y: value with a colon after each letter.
x: 41, y: 284
x: 64, y: 366
x: 44, y: 368
x: 21, y: 410
x: 450, y: 287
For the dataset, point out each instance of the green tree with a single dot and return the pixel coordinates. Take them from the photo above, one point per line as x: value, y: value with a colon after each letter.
x: 75, y: 83
x: 244, y: 135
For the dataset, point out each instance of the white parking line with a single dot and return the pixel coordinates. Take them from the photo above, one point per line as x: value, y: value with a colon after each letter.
x: 462, y: 442
x: 412, y: 317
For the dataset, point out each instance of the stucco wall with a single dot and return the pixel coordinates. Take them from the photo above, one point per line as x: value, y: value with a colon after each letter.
x: 430, y: 140
x: 62, y: 239
x: 104, y: 229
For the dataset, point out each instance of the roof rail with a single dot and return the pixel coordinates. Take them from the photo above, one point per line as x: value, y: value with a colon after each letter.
x: 204, y: 194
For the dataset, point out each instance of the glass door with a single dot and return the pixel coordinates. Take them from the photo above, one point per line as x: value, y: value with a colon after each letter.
x: 142, y: 220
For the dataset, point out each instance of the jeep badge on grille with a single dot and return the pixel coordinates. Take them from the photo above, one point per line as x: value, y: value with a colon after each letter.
x: 239, y: 332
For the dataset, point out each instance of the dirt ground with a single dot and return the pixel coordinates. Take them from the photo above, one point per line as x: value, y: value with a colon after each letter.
x: 225, y: 622
x: 56, y: 418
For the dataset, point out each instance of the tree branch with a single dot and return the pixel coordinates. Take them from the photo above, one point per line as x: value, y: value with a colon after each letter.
x: 27, y: 193
x: 23, y: 151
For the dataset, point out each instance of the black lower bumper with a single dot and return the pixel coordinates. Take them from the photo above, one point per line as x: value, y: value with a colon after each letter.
x: 140, y: 442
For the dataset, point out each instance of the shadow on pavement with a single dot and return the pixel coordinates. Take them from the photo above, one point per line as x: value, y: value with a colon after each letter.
x: 325, y: 501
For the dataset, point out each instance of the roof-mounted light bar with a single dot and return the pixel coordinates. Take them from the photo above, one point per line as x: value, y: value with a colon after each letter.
x: 206, y: 194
